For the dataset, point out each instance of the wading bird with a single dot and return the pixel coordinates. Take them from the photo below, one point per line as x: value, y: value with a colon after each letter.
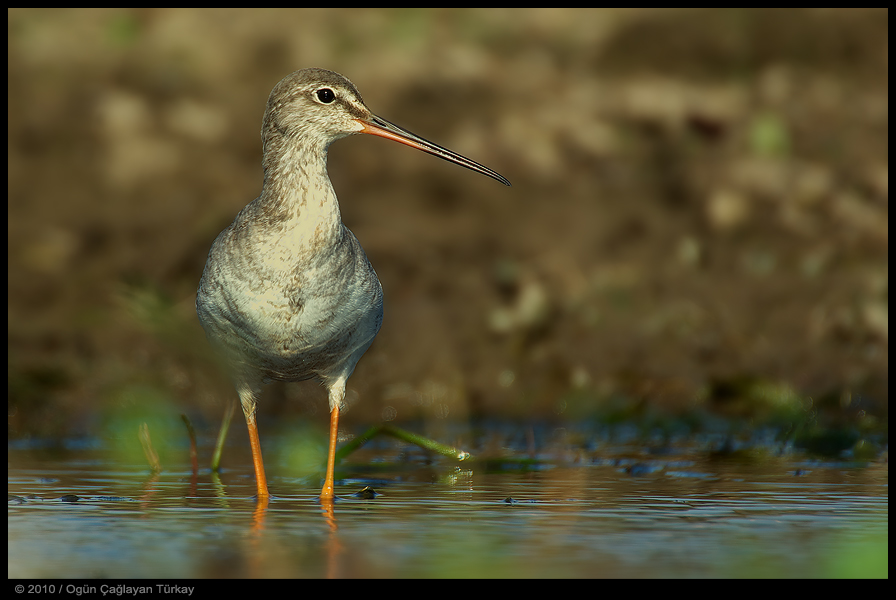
x: 287, y: 293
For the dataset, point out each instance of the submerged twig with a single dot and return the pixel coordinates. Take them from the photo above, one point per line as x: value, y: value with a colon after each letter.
x: 194, y: 455
x: 151, y: 456
x: 222, y: 435
x: 426, y: 443
x: 405, y: 436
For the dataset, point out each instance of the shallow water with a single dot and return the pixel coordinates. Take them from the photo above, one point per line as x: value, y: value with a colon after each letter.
x: 618, y: 512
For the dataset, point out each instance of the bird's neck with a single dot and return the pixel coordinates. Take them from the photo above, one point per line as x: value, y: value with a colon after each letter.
x: 297, y: 194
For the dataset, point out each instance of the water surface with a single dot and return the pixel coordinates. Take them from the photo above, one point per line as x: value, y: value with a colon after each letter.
x: 620, y: 511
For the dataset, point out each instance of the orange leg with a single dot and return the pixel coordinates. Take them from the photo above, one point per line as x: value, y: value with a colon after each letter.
x: 260, y: 479
x: 327, y: 491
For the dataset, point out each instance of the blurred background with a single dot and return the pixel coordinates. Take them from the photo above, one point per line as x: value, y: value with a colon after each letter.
x: 698, y: 222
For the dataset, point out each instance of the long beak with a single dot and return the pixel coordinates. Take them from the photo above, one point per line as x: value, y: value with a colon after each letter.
x: 390, y: 131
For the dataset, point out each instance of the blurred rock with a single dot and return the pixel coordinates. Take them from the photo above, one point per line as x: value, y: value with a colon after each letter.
x: 199, y: 121
x: 727, y: 209
x: 135, y: 150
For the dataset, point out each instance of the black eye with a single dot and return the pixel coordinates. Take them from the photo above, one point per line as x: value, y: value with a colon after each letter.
x: 326, y: 95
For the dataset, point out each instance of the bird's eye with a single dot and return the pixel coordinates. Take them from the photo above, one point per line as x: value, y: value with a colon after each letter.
x: 326, y: 95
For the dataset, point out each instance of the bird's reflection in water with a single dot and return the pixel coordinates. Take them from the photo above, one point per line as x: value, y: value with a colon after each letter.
x: 333, y: 544
x: 258, y: 515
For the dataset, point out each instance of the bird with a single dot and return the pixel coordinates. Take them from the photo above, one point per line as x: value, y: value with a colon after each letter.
x: 287, y: 292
